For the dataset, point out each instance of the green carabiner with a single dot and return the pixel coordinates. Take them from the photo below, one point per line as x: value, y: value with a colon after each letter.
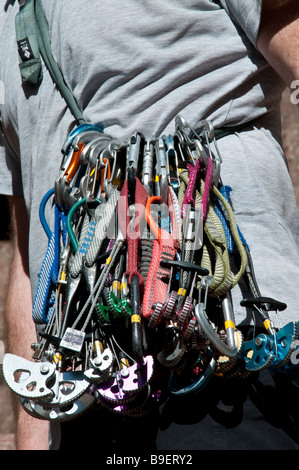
x: 69, y: 219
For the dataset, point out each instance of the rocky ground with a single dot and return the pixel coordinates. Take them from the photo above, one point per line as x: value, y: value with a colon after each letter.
x: 290, y: 138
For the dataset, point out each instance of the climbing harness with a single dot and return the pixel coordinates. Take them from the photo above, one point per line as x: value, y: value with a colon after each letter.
x: 135, y: 291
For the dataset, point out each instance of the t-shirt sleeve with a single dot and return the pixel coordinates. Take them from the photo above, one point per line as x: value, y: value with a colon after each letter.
x: 10, y: 174
x: 246, y: 14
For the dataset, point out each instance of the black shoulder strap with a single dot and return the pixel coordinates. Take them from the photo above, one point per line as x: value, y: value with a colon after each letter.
x: 32, y: 34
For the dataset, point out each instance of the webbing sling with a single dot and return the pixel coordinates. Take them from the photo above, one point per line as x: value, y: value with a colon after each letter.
x: 164, y: 249
x: 32, y: 34
x: 215, y: 253
x: 43, y: 303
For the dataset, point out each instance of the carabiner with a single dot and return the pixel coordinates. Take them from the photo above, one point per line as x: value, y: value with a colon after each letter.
x: 149, y: 218
x: 93, y: 148
x: 74, y: 164
x: 162, y: 170
x: 148, y: 165
x: 85, y: 132
x: 207, y: 328
x: 200, y: 153
x: 206, y: 130
x: 78, y: 130
x: 181, y: 125
x: 194, y: 387
x: 42, y: 212
x: 106, y: 177
x: 172, y: 162
x: 133, y: 151
x: 229, y: 320
x: 98, y: 147
x: 72, y: 236
x: 62, y: 185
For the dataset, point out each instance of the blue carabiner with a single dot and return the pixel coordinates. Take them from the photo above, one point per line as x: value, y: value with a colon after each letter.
x: 83, y: 127
x: 198, y: 385
x: 42, y: 212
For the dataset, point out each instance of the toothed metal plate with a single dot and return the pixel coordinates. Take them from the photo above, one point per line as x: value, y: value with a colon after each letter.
x: 28, y: 379
x: 58, y: 413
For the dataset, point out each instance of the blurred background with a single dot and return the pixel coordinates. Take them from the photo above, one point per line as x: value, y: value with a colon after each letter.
x: 290, y: 135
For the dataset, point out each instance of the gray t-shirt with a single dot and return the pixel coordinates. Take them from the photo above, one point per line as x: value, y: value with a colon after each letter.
x: 135, y: 66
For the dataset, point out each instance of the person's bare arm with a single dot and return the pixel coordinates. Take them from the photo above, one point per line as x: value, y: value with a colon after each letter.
x: 278, y: 39
x: 31, y: 433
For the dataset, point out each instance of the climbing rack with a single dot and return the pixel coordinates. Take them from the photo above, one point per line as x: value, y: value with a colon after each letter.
x: 134, y: 295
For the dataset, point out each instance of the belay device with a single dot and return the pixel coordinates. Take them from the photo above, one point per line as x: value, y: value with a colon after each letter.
x: 134, y: 293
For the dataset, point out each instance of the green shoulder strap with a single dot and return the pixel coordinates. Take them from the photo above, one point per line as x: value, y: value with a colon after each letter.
x: 32, y: 35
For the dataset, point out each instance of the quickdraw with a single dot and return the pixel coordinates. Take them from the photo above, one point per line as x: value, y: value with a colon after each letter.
x: 138, y: 277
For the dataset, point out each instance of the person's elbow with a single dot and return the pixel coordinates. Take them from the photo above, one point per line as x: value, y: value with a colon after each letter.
x: 278, y: 39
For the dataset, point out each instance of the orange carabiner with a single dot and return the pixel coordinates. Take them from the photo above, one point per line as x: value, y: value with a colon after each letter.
x: 149, y: 218
x: 74, y: 163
